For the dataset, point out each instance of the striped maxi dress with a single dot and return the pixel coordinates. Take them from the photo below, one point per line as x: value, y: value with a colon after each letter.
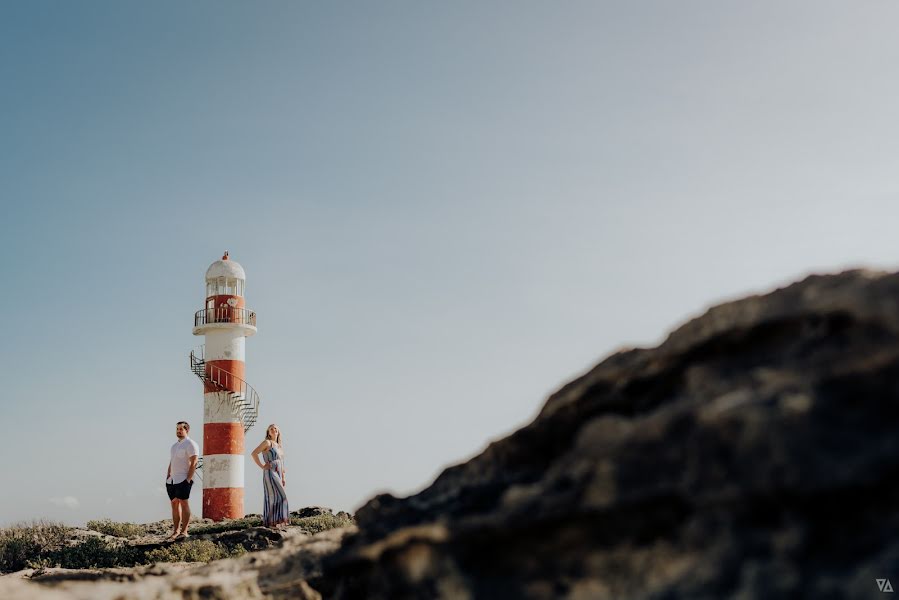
x: 275, y: 510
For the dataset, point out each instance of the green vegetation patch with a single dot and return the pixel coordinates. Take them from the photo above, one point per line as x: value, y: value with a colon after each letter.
x: 96, y: 553
x: 22, y: 543
x: 228, y: 525
x: 311, y: 525
x: 193, y: 551
x: 43, y: 544
x: 119, y: 530
x: 323, y: 522
x: 93, y: 553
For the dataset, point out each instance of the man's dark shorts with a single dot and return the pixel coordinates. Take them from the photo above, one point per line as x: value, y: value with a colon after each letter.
x: 181, y: 491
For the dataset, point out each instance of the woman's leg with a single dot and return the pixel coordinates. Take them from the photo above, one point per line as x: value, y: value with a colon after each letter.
x: 266, y: 498
x: 280, y: 512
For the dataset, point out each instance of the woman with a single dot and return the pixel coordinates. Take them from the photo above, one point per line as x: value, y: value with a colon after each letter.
x: 275, y: 512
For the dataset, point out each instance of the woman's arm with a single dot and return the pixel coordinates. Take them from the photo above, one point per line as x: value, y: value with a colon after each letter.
x: 261, y: 448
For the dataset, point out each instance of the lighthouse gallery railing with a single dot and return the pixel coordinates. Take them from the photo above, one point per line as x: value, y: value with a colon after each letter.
x: 224, y: 315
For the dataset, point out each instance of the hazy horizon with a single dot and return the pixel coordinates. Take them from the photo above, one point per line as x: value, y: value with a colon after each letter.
x: 445, y: 213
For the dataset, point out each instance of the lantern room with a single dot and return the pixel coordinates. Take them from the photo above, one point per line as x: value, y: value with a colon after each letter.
x: 225, y: 283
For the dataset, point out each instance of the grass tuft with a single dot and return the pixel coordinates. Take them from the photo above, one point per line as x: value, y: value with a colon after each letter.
x: 119, y: 530
x: 193, y: 551
x: 323, y: 522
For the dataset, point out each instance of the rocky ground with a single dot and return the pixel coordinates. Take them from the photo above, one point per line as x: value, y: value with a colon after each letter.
x: 283, y: 572
x: 266, y: 555
x: 753, y: 454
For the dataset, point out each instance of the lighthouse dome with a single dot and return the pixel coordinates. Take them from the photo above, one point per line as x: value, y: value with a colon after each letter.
x: 225, y: 268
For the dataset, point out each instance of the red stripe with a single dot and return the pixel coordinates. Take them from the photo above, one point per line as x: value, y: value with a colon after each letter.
x: 223, y: 503
x: 224, y: 374
x: 222, y: 300
x: 223, y: 438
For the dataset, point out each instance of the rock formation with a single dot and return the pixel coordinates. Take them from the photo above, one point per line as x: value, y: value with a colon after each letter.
x: 753, y: 454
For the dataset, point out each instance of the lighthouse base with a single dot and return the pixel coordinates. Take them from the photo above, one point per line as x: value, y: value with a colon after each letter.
x: 223, y: 503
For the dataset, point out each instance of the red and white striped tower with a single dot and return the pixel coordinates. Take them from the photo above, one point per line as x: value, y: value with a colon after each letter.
x: 225, y: 323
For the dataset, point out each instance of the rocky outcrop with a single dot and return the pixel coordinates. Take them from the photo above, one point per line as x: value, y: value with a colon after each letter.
x: 754, y: 454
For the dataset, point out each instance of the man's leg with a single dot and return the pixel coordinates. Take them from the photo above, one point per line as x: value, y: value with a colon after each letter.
x: 185, y: 515
x: 176, y: 515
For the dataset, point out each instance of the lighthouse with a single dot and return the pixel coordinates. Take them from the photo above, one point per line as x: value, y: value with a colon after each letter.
x: 230, y: 405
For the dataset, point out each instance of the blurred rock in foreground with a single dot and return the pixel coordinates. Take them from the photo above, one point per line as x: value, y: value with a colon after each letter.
x: 754, y: 454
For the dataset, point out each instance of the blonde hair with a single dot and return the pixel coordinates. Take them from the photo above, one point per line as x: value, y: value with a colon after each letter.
x: 267, y: 434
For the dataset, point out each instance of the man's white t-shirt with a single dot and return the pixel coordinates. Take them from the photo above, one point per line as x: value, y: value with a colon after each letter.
x: 181, y: 453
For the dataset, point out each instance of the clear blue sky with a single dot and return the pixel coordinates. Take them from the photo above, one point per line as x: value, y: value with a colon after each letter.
x: 445, y: 211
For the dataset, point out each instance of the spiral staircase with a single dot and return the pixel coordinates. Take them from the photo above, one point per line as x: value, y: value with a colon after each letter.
x: 243, y: 398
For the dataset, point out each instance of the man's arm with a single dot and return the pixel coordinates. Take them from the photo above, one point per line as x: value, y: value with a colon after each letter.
x: 192, y: 466
x: 168, y: 474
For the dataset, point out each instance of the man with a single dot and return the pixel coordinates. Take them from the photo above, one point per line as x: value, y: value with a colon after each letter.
x: 180, y: 479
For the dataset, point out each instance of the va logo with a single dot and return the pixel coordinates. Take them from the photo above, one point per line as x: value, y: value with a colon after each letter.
x: 884, y: 585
